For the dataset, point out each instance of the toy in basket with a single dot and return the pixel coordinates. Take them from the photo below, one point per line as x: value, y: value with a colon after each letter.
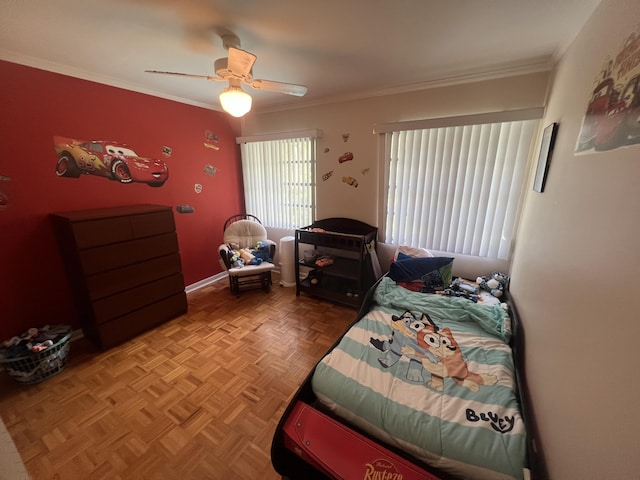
x: 37, y: 354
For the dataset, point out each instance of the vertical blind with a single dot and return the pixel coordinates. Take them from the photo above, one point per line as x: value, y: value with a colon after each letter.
x: 279, y: 181
x: 457, y: 188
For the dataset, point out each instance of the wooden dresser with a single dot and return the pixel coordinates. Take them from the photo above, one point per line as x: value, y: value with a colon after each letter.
x: 124, y: 267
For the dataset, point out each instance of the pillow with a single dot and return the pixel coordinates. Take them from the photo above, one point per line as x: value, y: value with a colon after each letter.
x: 412, y: 252
x: 434, y: 272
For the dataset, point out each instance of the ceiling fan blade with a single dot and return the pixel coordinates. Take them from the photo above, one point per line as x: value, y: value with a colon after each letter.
x: 191, y: 75
x: 279, y: 87
x: 240, y: 62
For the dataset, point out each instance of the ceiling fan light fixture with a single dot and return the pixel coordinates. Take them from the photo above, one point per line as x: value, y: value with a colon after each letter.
x: 235, y: 101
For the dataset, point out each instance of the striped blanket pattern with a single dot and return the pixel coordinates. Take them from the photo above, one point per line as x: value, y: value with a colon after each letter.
x: 433, y: 376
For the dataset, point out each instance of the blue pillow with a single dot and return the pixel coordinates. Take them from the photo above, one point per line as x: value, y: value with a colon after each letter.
x: 435, y: 272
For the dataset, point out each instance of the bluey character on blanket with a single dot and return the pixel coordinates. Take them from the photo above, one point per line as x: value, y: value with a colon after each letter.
x: 450, y: 363
x: 404, y: 335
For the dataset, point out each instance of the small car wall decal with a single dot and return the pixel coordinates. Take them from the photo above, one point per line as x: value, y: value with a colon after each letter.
x: 113, y: 160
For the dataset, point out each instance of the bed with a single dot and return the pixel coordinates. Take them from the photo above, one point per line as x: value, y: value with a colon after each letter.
x: 420, y: 386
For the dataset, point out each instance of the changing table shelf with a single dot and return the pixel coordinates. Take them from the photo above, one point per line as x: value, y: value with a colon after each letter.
x: 346, y: 242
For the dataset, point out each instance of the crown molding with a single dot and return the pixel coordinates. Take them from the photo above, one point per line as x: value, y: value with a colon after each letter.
x: 503, y: 71
x: 94, y: 77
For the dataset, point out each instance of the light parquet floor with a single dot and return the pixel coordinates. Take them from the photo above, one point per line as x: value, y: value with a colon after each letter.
x: 198, y: 397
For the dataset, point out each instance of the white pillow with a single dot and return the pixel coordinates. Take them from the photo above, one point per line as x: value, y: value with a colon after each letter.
x: 412, y: 252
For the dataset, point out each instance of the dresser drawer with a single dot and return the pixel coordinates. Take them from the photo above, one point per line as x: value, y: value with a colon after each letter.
x: 105, y: 231
x: 126, y: 327
x: 133, y: 299
x: 154, y: 223
x: 115, y: 281
x: 109, y: 257
x: 92, y: 233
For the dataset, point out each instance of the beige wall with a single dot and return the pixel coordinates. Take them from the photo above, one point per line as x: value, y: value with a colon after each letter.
x: 574, y: 278
x: 577, y: 259
x: 337, y: 199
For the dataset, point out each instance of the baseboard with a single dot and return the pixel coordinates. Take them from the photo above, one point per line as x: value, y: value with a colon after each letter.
x: 205, y: 281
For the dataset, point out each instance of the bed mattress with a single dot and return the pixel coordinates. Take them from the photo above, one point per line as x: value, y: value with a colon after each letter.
x: 433, y: 376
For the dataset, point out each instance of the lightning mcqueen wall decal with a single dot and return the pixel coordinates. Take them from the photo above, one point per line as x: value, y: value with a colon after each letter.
x: 113, y: 160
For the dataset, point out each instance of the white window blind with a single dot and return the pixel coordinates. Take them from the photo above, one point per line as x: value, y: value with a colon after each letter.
x: 279, y: 180
x: 457, y: 188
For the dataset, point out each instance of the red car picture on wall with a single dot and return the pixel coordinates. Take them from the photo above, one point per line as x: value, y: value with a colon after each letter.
x: 612, y: 117
x: 113, y: 160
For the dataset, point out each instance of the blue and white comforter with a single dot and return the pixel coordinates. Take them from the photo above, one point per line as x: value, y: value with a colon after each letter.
x: 433, y: 376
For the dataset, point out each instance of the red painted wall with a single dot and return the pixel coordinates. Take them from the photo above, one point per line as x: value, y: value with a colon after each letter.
x: 36, y: 105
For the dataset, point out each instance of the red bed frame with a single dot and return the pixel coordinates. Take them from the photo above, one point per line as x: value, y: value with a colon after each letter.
x: 311, y: 444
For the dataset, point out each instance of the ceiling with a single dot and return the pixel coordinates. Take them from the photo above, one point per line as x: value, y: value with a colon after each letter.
x: 339, y: 49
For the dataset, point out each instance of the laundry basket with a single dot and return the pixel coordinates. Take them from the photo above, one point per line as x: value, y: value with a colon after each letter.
x: 36, y: 367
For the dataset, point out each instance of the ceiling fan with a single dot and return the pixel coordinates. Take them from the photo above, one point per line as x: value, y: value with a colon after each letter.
x: 236, y: 69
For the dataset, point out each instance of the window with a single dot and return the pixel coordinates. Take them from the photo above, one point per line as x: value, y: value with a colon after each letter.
x: 279, y: 178
x: 455, y: 185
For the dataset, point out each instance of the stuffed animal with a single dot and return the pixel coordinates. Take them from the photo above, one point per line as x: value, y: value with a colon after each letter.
x: 460, y: 284
x: 235, y: 260
x: 262, y: 251
x: 496, y: 284
x: 249, y: 258
x: 461, y: 288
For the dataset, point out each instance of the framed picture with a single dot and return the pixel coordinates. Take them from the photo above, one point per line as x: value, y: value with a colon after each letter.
x: 546, y: 148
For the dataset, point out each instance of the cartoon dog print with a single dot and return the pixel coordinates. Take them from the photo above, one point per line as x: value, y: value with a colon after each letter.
x: 405, y: 330
x: 451, y: 362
